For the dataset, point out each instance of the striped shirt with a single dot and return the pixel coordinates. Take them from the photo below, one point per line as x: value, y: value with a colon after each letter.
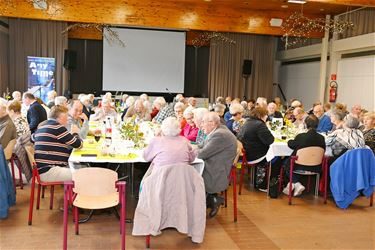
x: 53, y: 145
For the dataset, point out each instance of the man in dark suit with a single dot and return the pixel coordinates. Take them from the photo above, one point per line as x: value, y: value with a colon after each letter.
x: 36, y: 113
x: 272, y: 112
x: 218, y: 151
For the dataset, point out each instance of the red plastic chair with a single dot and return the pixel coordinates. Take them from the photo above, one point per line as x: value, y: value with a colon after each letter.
x: 36, y: 179
x: 94, y: 188
x: 309, y: 156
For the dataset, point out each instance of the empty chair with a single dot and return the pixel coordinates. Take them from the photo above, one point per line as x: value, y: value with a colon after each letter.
x: 94, y: 188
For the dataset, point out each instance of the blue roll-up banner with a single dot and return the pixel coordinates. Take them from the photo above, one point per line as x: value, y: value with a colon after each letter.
x: 41, y: 76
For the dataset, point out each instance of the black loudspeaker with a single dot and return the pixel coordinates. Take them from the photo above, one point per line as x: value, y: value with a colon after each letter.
x: 70, y: 59
x: 246, y: 68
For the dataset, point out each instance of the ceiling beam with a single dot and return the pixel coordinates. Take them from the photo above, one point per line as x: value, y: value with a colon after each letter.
x: 359, y: 3
x: 168, y: 15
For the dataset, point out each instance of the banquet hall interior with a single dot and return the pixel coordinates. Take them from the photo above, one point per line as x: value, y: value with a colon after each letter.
x: 187, y: 124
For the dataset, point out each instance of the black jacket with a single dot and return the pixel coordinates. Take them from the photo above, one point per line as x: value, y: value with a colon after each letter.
x: 277, y: 114
x: 256, y: 138
x: 309, y: 139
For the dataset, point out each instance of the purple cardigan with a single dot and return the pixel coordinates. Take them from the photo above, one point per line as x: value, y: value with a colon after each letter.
x: 166, y: 150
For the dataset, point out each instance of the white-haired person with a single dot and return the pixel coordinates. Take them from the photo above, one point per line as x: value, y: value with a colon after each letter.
x: 261, y: 102
x: 190, y: 130
x: 337, y: 119
x: 165, y: 110
x: 51, y: 95
x: 139, y: 111
x: 346, y: 138
x: 129, y: 103
x: 61, y: 100
x: 170, y: 147
x: 325, y: 124
x: 86, y: 107
x: 199, y: 113
x: 123, y: 101
x: 17, y: 96
x: 218, y: 152
x: 299, y: 116
x: 8, y: 131
x: 220, y: 110
x: 105, y: 110
x: 227, y: 114
x: 235, y: 123
x: 179, y: 109
x: 272, y: 112
x: 246, y: 110
x: 369, y: 129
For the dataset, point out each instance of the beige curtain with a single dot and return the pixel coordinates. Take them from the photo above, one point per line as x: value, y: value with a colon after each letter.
x: 36, y: 38
x: 4, y: 61
x: 363, y: 20
x: 225, y: 66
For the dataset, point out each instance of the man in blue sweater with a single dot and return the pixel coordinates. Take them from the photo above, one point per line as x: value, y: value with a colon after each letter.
x: 325, y: 123
x: 53, y: 145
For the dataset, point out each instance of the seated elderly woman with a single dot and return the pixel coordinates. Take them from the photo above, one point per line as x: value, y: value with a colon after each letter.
x: 139, y: 111
x: 190, y: 131
x: 179, y: 108
x: 129, y: 105
x: 220, y: 110
x: 303, y: 140
x: 170, y: 147
x: 105, y: 110
x: 235, y: 123
x: 337, y: 119
x: 346, y: 138
x: 14, y: 111
x: 369, y: 130
x: 299, y: 116
x: 7, y: 129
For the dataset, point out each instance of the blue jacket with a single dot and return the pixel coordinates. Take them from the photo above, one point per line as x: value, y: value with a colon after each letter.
x: 351, y: 173
x: 35, y: 115
x: 325, y: 124
x: 7, y: 194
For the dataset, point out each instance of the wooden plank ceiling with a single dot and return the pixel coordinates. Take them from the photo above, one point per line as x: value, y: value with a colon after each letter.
x: 245, y: 16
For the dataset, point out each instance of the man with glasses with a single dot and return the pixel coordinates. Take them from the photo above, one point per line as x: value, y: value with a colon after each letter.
x: 218, y: 151
x: 325, y: 123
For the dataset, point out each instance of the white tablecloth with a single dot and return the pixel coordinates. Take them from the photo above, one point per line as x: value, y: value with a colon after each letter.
x: 278, y: 149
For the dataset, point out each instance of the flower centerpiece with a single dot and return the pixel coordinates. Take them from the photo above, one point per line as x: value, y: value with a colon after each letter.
x: 129, y: 130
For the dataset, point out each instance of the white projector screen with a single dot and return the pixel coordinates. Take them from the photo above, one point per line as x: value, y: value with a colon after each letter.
x: 151, y: 61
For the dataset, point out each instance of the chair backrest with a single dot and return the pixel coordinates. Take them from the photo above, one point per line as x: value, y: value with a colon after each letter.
x: 8, y: 151
x: 30, y: 154
x: 239, y: 152
x: 310, y: 156
x: 94, y: 181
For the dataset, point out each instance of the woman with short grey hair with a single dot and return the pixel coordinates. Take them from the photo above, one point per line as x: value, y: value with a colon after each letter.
x: 346, y: 138
x: 169, y: 148
x: 236, y: 121
x: 337, y: 118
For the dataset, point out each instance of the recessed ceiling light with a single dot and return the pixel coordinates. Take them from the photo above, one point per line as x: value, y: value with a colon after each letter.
x: 321, y: 9
x: 284, y: 6
x: 297, y: 1
x: 207, y: 0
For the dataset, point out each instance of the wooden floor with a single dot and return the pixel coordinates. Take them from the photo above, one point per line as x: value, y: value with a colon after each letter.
x: 263, y: 223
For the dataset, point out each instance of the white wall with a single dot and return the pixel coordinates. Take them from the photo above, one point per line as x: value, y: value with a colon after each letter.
x: 300, y: 81
x: 356, y: 80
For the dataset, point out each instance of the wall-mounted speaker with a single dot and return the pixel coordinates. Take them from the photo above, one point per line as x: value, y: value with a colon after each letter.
x: 246, y: 68
x: 70, y: 59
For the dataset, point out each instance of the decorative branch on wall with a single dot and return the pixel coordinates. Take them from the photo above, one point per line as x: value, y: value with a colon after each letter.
x: 212, y: 38
x: 298, y: 28
x: 108, y: 33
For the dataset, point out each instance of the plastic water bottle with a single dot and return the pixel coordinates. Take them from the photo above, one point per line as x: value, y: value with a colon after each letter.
x: 108, y: 131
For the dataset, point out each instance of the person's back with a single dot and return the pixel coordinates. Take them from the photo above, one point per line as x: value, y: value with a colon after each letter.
x: 36, y: 113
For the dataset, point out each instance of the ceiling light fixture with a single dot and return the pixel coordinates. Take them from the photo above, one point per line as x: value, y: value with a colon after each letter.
x: 297, y: 1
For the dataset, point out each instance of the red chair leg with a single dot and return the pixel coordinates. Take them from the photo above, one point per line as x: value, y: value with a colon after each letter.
x: 325, y: 172
x: 122, y: 216
x: 371, y: 199
x: 13, y: 174
x: 290, y: 183
x: 225, y: 199
x: 31, y: 205
x: 241, y: 176
x: 38, y: 197
x: 148, y: 239
x: 308, y: 183
x: 65, y: 220
x: 234, y: 194
x: 51, y: 197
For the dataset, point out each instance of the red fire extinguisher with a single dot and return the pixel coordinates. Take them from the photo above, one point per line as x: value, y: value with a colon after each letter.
x: 333, y: 91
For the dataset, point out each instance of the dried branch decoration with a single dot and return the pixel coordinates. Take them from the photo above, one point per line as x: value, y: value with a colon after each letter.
x: 213, y: 38
x: 297, y: 27
x: 108, y: 33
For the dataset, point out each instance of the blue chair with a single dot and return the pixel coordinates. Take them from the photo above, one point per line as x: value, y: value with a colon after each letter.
x: 351, y: 174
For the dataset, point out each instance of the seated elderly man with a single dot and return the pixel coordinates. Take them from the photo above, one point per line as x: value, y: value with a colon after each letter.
x: 52, y: 146
x: 356, y: 111
x: 218, y: 152
x: 325, y: 123
x: 199, y: 113
x: 272, y: 112
x: 8, y: 131
x: 138, y: 110
x: 36, y: 113
x: 105, y: 110
x: 77, y: 121
x: 164, y: 110
x: 169, y: 148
